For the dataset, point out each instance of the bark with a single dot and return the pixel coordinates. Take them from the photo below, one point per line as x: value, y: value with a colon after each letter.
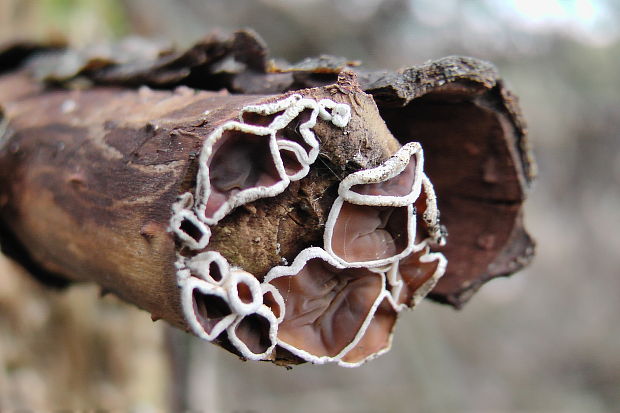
x: 90, y: 172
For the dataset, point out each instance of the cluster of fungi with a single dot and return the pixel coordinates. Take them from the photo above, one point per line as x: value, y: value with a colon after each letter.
x: 282, y: 212
x: 333, y: 304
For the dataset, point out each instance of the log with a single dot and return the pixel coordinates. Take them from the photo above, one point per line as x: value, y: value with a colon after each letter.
x: 283, y: 225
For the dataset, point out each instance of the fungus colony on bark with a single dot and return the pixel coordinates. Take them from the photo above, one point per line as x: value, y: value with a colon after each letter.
x: 279, y: 211
x: 338, y: 303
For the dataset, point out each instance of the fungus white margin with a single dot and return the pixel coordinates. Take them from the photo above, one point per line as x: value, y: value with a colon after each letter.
x: 340, y: 115
x: 373, y: 356
x: 300, y: 155
x: 425, y: 288
x: 203, y: 184
x: 193, y: 209
x: 187, y: 303
x: 236, y: 277
x: 293, y: 106
x: 180, y: 213
x: 266, y: 313
x: 270, y: 289
x: 397, y: 283
x: 431, y: 215
x: 201, y: 266
x: 384, y: 172
x: 226, y: 288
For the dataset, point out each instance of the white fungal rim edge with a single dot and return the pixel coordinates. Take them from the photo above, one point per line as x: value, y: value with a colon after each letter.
x: 187, y: 303
x: 292, y: 107
x: 394, y: 279
x: 245, y: 351
x: 387, y: 170
x: 268, y: 288
x: 185, y: 208
x: 431, y: 215
x: 182, y: 213
x: 300, y: 155
x: 426, y: 288
x: 200, y: 265
x: 236, y: 277
x: 223, y: 289
x: 203, y: 184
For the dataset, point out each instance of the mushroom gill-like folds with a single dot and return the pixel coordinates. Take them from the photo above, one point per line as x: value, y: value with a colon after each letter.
x: 338, y: 303
x: 327, y: 307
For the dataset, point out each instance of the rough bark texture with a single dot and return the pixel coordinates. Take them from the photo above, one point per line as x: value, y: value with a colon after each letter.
x: 458, y: 108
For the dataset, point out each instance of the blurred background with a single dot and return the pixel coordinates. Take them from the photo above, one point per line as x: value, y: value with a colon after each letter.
x: 545, y: 340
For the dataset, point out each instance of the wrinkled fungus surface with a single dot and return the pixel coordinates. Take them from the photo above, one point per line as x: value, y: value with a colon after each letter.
x: 326, y: 306
x: 365, y: 233
x: 336, y: 304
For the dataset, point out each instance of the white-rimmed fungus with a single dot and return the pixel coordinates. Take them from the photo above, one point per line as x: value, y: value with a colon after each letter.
x: 333, y: 304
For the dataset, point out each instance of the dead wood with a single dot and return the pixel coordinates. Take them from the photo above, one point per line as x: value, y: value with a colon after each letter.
x: 90, y: 170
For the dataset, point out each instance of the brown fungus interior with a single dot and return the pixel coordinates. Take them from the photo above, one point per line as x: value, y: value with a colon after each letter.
x: 325, y: 306
x: 209, y: 309
x: 257, y: 119
x: 253, y: 331
x: 215, y: 272
x: 270, y: 301
x: 422, y: 231
x: 239, y: 161
x: 191, y: 229
x: 367, y: 233
x: 414, y: 274
x: 244, y: 292
x: 377, y: 336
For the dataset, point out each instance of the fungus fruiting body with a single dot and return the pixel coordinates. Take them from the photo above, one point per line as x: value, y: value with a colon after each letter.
x: 335, y: 303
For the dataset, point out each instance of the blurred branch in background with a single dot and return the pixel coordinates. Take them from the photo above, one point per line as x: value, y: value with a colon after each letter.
x: 79, y: 21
